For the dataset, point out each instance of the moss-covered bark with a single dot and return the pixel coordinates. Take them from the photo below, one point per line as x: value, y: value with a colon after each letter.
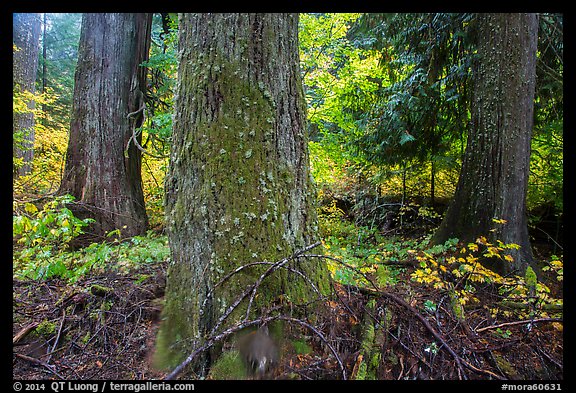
x: 239, y: 188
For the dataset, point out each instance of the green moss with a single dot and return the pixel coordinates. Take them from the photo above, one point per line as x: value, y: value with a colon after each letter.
x: 361, y: 375
x: 100, y: 290
x: 368, y: 340
x: 506, y: 367
x: 45, y: 328
x: 531, y: 280
x: 229, y: 366
x: 301, y: 347
x: 86, y: 338
x: 457, y: 307
x: 235, y: 211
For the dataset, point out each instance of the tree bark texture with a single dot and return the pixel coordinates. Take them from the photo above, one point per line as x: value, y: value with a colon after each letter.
x: 102, y: 162
x: 26, y: 38
x: 494, y: 177
x: 239, y: 186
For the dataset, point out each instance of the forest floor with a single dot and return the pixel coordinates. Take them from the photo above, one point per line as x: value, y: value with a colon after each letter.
x: 103, y: 327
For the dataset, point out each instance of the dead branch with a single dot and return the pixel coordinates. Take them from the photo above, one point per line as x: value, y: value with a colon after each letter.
x: 58, y: 335
x: 539, y: 320
x: 251, y: 290
x: 39, y: 362
x: 253, y: 287
x: 24, y: 332
x: 376, y: 291
x: 259, y: 321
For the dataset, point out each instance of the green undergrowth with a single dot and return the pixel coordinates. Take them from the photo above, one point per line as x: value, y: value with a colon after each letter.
x: 361, y: 256
x: 123, y: 257
x: 42, y: 238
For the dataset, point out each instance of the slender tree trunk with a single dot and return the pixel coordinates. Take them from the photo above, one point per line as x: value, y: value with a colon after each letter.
x: 494, y: 176
x: 432, y: 182
x: 239, y: 187
x: 102, y: 162
x: 44, y: 46
x: 26, y: 33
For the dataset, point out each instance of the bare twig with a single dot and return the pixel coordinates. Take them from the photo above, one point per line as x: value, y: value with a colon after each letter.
x: 253, y: 287
x: 376, y: 291
x: 259, y: 321
x: 213, y: 337
x: 58, y: 335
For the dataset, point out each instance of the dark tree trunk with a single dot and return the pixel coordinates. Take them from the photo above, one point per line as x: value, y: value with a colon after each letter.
x: 26, y: 34
x: 239, y: 187
x: 102, y: 162
x: 494, y: 176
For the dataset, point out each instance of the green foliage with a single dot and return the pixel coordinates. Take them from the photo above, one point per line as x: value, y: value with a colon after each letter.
x: 452, y: 267
x: 361, y: 248
x: 56, y: 71
x: 54, y: 226
x: 157, y: 128
x: 390, y: 94
x: 52, y: 109
x: 49, y: 144
x: 301, y: 347
x: 43, y: 235
x: 45, y: 328
x: 42, y: 239
x: 545, y: 186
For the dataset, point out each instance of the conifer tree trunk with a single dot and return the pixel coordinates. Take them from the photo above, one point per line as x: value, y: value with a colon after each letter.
x: 102, y: 162
x: 239, y: 187
x: 26, y: 34
x: 494, y: 177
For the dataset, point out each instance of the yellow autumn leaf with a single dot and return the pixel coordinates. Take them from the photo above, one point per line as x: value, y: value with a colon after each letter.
x: 30, y: 208
x: 556, y: 263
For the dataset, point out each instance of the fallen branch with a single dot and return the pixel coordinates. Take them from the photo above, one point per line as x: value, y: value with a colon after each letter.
x: 519, y: 323
x: 39, y: 362
x: 376, y: 291
x: 24, y: 332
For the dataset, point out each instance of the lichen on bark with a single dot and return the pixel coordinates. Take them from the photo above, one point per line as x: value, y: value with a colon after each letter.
x: 238, y: 189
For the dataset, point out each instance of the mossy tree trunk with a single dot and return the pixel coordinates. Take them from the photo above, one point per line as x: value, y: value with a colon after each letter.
x: 26, y: 35
x: 103, y: 164
x: 494, y: 177
x: 239, y: 187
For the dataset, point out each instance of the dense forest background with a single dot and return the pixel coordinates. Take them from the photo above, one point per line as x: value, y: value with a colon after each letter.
x: 389, y: 112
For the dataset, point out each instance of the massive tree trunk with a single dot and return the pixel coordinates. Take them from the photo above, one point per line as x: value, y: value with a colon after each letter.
x: 102, y: 162
x: 26, y: 35
x: 494, y: 177
x: 239, y: 187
